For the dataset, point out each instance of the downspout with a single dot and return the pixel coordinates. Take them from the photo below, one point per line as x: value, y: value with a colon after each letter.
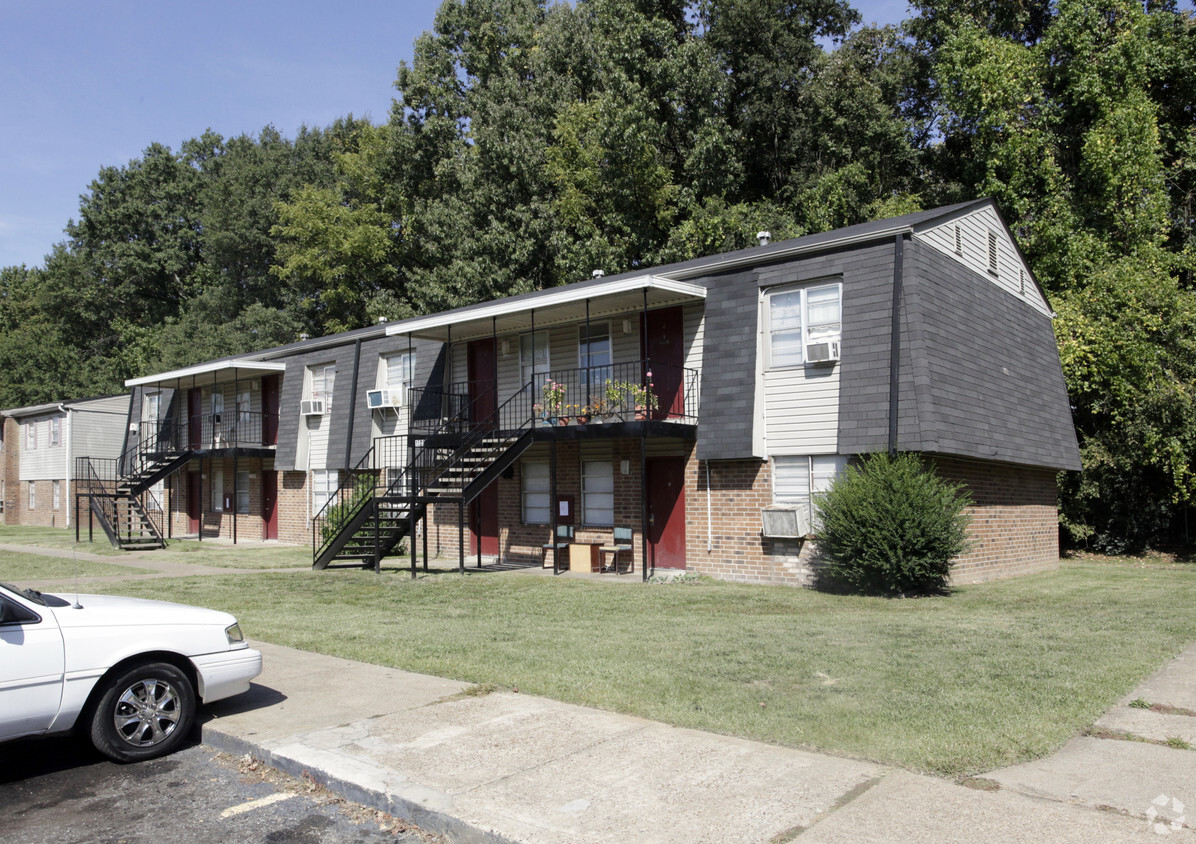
x: 352, y: 405
x: 70, y: 459
x: 895, y: 340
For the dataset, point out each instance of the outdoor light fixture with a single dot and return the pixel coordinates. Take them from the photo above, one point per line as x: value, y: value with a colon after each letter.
x: 625, y: 467
x: 506, y: 347
x: 626, y: 326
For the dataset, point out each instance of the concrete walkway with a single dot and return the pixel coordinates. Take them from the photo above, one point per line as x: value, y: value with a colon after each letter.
x: 511, y: 767
x: 504, y: 767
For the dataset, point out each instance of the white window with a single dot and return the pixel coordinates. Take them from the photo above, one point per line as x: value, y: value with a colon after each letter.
x: 217, y: 407
x: 323, y: 381
x: 593, y: 347
x: 30, y: 435
x: 217, y: 487
x: 795, y: 479
x: 242, y: 492
x: 243, y: 405
x: 533, y: 358
x: 598, y: 493
x: 537, y: 487
x: 153, y: 406
x: 56, y: 486
x: 32, y: 496
x: 400, y: 375
x: 323, y: 486
x: 55, y: 430
x: 800, y: 316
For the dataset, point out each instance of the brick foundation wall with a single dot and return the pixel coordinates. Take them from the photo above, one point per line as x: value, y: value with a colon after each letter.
x: 43, y: 514
x: 223, y: 524
x: 1015, y: 520
x: 1014, y: 524
x: 523, y: 542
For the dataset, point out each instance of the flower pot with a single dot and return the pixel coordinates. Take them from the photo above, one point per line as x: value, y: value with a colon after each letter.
x: 562, y: 420
x: 582, y: 420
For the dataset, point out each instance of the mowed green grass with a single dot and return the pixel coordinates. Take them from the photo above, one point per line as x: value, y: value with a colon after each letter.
x: 20, y: 566
x: 992, y: 675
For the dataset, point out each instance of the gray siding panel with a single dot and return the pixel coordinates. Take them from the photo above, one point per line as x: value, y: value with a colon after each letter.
x: 990, y: 363
x: 728, y: 367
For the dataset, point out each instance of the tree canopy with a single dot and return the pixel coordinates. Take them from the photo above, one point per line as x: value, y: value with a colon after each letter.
x: 530, y: 144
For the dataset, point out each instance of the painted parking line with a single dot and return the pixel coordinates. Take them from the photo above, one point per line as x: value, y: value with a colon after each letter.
x: 232, y: 811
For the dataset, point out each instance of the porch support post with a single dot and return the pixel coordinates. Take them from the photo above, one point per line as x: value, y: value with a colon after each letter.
x: 236, y: 439
x: 644, y: 507
x: 410, y: 537
x: 552, y: 506
x: 425, y: 532
x: 494, y: 356
x: 236, y: 495
x: 199, y: 527
x: 589, y: 352
x: 461, y: 535
x: 215, y: 384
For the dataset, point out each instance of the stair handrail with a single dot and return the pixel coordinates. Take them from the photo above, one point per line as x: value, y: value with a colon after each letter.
x: 522, y: 421
x: 344, y: 503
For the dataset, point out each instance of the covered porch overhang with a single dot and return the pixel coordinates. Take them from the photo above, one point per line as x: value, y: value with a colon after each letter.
x: 574, y: 303
x: 212, y: 373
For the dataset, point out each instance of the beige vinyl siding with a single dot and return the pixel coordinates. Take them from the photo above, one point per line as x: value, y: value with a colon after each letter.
x: 45, y: 462
x: 974, y: 229
x: 802, y: 410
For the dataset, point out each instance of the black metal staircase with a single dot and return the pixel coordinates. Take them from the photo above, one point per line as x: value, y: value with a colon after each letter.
x: 118, y: 492
x: 370, y: 514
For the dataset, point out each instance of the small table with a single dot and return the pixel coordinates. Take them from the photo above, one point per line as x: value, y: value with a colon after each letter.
x: 583, y: 556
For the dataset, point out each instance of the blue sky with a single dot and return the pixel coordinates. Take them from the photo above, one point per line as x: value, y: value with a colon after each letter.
x: 90, y: 84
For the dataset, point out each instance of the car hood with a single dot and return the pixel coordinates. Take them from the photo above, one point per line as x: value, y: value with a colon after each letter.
x: 112, y: 610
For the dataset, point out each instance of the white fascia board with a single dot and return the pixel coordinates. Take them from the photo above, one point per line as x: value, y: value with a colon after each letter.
x: 547, y: 299
x: 33, y: 410
x: 207, y: 369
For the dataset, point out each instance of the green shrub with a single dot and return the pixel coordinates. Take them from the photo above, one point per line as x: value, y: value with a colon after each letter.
x: 890, y: 526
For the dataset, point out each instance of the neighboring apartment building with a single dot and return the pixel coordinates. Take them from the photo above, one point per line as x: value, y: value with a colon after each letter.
x: 40, y: 444
x: 698, y: 404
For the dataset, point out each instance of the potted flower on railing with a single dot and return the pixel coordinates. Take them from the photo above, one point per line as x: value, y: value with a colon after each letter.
x: 549, y: 409
x: 644, y: 396
x: 617, y: 394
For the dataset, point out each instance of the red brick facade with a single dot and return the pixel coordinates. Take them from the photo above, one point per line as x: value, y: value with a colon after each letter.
x: 1014, y: 525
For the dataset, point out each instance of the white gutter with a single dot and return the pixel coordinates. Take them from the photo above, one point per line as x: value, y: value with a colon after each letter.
x: 207, y: 369
x: 560, y: 296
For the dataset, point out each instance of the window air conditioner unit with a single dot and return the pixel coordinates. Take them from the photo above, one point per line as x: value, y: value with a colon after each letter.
x: 396, y: 398
x: 825, y: 352
x: 377, y: 398
x: 311, y: 407
x: 786, y: 522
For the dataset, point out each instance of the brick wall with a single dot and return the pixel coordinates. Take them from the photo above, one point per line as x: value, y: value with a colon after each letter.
x: 223, y: 523
x: 12, y: 468
x: 43, y: 513
x: 1014, y: 524
x: 523, y: 542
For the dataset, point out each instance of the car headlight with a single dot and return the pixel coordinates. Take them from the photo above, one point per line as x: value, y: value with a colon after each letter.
x: 234, y: 634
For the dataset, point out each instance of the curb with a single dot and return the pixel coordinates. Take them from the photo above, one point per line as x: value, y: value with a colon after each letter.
x: 440, y: 823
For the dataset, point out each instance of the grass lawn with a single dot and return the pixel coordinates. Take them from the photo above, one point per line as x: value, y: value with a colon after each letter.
x: 16, y: 566
x: 247, y: 556
x: 64, y: 538
x: 993, y: 675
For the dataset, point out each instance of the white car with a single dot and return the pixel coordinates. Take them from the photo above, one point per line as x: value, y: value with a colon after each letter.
x: 125, y: 672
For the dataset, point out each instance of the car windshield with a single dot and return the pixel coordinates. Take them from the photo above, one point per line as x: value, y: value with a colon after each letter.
x: 35, y: 596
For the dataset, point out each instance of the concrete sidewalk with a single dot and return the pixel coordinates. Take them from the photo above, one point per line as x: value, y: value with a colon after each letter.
x: 511, y: 767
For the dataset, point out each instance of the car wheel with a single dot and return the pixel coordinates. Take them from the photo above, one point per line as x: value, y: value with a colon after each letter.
x: 143, y: 713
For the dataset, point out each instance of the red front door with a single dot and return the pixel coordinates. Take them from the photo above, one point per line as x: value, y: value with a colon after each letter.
x: 194, y: 501
x: 195, y: 417
x: 269, y: 504
x: 666, y: 512
x: 270, y: 395
x: 663, y: 348
x: 480, y: 362
x: 483, y: 522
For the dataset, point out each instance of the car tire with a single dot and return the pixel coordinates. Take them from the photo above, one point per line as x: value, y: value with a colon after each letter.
x: 144, y: 712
